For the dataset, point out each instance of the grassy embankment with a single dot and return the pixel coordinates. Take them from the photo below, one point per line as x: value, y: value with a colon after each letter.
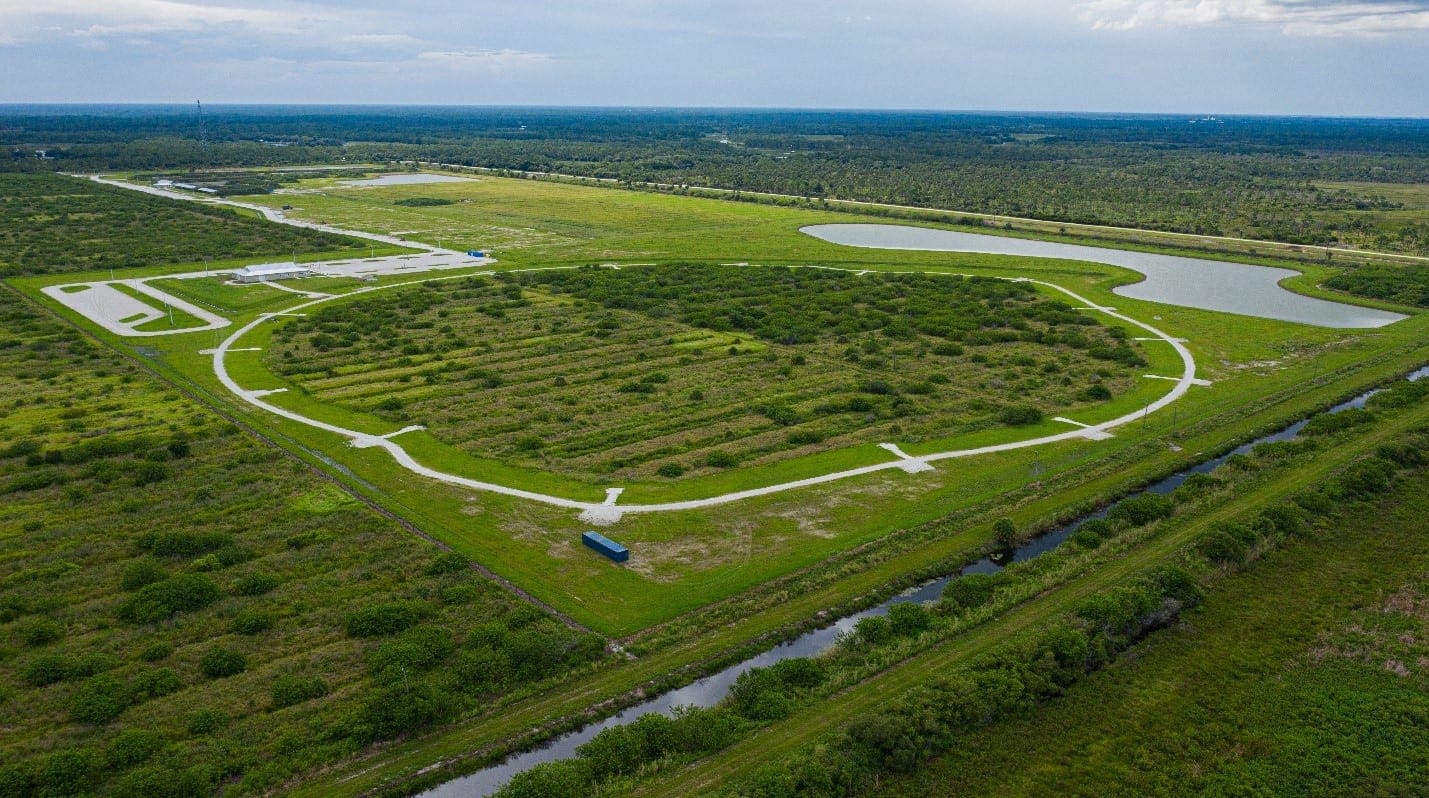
x: 784, y: 737
x: 1304, y: 675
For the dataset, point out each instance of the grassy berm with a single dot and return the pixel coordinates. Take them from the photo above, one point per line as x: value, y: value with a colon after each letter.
x: 1306, y: 675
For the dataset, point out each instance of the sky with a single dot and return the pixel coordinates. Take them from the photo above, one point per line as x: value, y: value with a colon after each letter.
x: 1315, y: 57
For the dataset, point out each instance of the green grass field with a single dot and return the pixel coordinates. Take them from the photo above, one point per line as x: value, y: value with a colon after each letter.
x: 139, y: 531
x: 687, y: 560
x: 703, y: 584
x: 804, y: 728
x: 556, y: 381
x: 1303, y: 676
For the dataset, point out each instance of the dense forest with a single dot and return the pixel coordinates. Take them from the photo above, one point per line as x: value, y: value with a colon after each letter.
x: 1253, y: 177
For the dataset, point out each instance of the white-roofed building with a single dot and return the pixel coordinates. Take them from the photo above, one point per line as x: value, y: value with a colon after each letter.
x: 259, y: 272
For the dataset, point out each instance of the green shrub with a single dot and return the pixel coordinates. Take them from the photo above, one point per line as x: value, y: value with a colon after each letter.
x: 419, y: 648
x: 448, y: 562
x: 970, y: 590
x: 566, y: 778
x: 759, y: 694
x: 15, y: 782
x: 907, y: 619
x: 219, y: 663
x: 1327, y: 423
x: 207, y: 721
x: 99, y: 700
x: 183, y: 545
x: 65, y: 772
x: 804, y: 437
x: 1175, y: 582
x: 290, y: 690
x: 460, y: 593
x: 133, y: 747
x: 477, y: 671
x: 802, y: 673
x: 156, y: 651
x: 385, y: 619
x: 1314, y: 501
x: 177, y: 593
x: 670, y: 470
x: 148, y: 472
x: 1220, y: 546
x: 47, y: 669
x: 154, y: 781
x: 256, y: 584
x: 251, y: 622
x: 141, y: 573
x: 873, y: 630
x: 40, y: 632
x: 721, y: 459
x: 1095, y: 393
x: 155, y: 682
x: 1020, y: 416
x: 1142, y: 510
x: 1004, y: 533
x: 402, y: 707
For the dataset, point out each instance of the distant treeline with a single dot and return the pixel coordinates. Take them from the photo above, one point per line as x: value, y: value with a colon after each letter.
x: 1239, y: 176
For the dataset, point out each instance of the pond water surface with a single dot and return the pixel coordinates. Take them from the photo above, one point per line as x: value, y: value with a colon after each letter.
x: 1170, y: 279
x: 405, y: 180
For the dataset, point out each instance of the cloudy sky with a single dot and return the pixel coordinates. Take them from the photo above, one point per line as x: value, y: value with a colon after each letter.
x: 1369, y: 57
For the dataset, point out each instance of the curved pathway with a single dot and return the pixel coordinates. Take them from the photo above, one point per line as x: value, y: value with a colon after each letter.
x: 609, y: 512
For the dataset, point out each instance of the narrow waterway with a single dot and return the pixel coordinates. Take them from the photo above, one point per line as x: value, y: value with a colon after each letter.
x: 710, y: 690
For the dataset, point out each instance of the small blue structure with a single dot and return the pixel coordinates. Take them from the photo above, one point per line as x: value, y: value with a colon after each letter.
x: 606, y: 546
x: 476, y: 253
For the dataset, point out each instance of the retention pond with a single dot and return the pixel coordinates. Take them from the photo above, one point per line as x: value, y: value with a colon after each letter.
x: 712, y: 689
x: 1170, y: 279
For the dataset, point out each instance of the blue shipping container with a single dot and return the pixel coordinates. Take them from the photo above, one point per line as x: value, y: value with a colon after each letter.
x: 606, y: 546
x: 476, y: 253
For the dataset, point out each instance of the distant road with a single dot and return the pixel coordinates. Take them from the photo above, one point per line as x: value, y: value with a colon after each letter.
x: 271, y: 215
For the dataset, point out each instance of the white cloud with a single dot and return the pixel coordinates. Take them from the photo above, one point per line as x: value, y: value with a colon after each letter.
x: 482, y: 59
x: 1293, y: 17
x: 128, y: 17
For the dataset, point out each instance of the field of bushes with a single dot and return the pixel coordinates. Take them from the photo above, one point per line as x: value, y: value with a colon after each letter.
x: 184, y: 606
x: 649, y: 372
x: 53, y: 223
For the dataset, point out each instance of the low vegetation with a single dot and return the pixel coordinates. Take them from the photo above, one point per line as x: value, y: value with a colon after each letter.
x: 684, y: 369
x: 52, y: 223
x: 1406, y: 285
x: 184, y: 606
x: 1324, y: 696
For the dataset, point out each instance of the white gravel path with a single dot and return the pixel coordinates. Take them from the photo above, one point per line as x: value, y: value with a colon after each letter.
x: 609, y: 512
